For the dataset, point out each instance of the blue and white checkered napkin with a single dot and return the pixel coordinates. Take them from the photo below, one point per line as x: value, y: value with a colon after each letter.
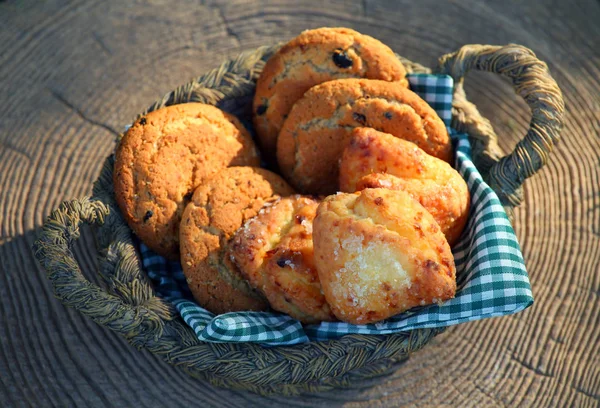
x: 490, y: 271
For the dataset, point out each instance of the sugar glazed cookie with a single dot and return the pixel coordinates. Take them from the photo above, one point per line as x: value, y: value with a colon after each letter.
x: 378, y: 253
x: 274, y: 251
x: 316, y: 56
x: 219, y: 207
x: 164, y: 156
x: 374, y: 159
x: 320, y: 124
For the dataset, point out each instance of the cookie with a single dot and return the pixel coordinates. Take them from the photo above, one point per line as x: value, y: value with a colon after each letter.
x: 375, y: 159
x: 320, y: 125
x: 316, y: 56
x: 219, y: 207
x: 164, y: 156
x: 378, y: 253
x: 274, y: 251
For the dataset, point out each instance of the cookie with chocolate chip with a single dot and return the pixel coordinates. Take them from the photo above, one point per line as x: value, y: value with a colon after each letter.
x: 274, y: 251
x: 320, y: 126
x: 164, y: 156
x: 217, y: 210
x: 316, y: 56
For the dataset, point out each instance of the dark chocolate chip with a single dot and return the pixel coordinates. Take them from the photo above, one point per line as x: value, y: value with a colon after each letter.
x: 261, y: 109
x: 360, y: 118
x: 387, y: 115
x: 282, y: 262
x: 341, y: 59
x: 148, y: 215
x: 142, y: 121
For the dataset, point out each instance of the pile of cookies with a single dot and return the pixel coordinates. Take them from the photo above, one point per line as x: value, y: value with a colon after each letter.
x: 359, y: 223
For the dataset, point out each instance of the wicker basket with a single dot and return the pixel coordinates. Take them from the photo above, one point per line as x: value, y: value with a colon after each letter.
x: 128, y: 304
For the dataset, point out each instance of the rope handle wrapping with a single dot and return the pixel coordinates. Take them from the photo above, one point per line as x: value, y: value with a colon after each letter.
x: 532, y: 81
x: 129, y: 305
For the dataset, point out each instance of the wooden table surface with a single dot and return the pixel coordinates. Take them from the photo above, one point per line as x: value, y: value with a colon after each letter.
x: 73, y: 73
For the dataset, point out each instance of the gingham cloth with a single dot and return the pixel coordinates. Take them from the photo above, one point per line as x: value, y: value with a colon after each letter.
x: 491, y: 276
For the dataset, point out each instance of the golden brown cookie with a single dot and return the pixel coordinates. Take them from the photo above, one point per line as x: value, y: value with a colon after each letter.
x: 164, y: 156
x: 218, y: 208
x: 378, y: 253
x: 274, y: 251
x: 374, y: 159
x: 320, y: 124
x: 316, y: 56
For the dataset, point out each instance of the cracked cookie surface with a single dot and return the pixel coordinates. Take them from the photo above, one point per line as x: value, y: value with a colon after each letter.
x: 274, y: 251
x: 378, y: 253
x: 316, y: 56
x: 375, y: 159
x: 164, y: 156
x: 219, y: 207
x: 320, y: 124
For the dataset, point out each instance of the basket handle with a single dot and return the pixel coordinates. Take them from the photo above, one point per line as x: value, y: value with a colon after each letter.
x: 52, y: 249
x: 532, y: 81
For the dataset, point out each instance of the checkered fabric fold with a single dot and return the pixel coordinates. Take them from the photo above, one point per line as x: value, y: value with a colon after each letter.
x: 491, y: 276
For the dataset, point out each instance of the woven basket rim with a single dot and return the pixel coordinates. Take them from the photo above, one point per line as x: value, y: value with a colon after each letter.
x: 129, y: 306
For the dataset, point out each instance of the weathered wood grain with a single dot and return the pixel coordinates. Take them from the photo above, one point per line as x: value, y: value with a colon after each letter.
x: 72, y: 73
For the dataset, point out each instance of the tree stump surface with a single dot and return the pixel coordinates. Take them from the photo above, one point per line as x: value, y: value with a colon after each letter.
x: 73, y: 73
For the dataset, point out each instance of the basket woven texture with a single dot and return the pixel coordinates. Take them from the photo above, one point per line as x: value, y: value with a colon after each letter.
x: 128, y: 305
